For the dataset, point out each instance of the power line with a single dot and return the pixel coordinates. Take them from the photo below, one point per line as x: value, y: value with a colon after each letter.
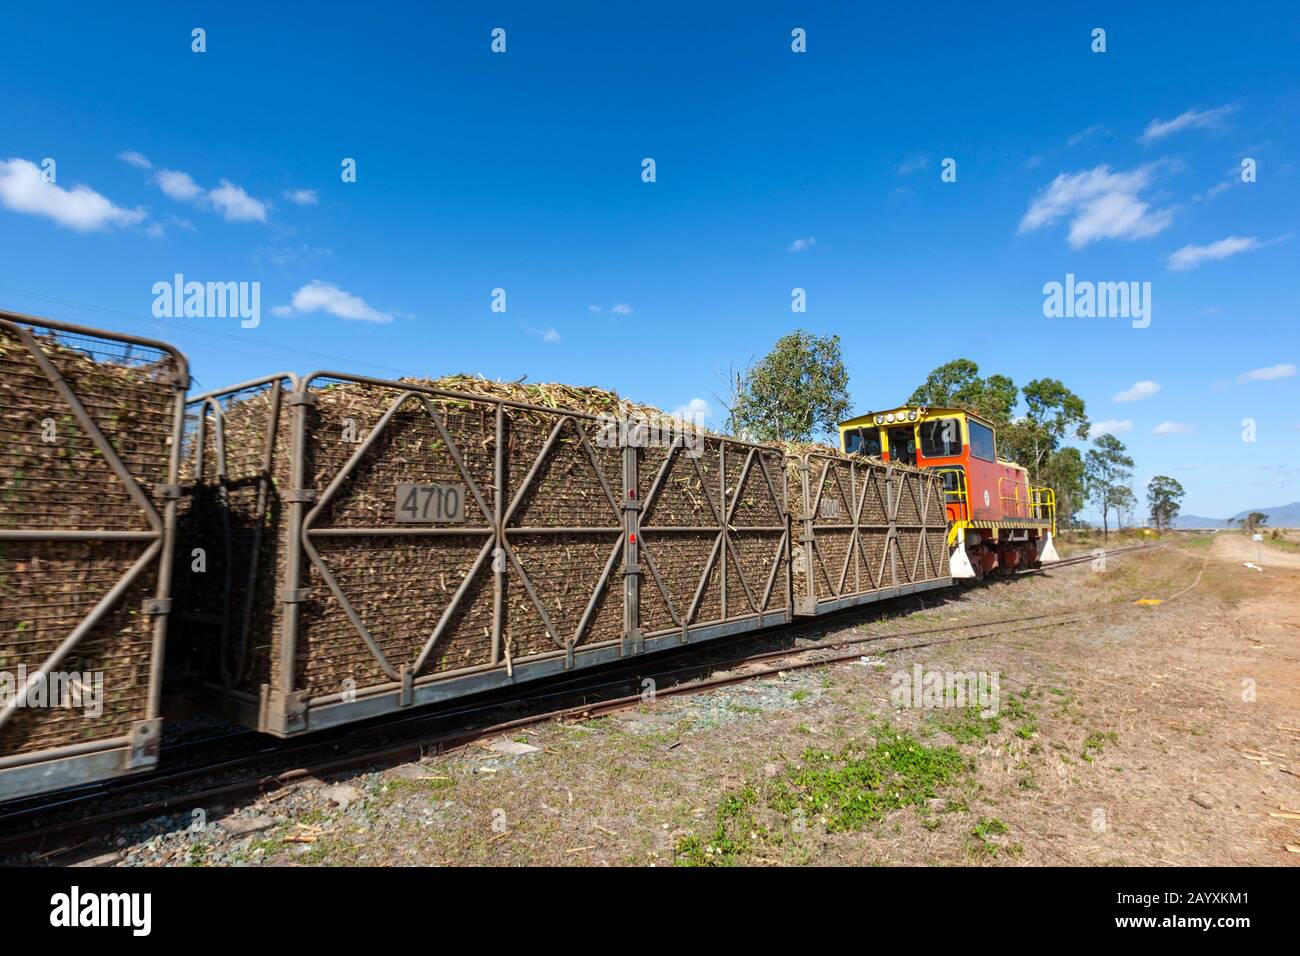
x: 174, y: 329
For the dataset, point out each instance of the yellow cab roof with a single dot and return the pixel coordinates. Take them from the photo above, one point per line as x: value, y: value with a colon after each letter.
x: 923, y: 412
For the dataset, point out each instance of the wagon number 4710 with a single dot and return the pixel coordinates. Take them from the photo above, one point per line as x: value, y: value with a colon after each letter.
x: 436, y: 503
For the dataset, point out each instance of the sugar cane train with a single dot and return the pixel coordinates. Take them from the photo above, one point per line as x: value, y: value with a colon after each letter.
x: 299, y: 552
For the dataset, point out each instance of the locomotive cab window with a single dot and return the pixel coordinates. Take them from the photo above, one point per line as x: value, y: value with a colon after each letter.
x: 863, y: 441
x: 941, y: 438
x: 902, y: 445
x: 981, y: 441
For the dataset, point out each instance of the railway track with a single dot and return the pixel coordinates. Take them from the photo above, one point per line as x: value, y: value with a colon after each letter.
x: 58, y: 823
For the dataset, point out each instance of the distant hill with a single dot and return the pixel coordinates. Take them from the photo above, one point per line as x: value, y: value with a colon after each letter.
x: 1282, y: 516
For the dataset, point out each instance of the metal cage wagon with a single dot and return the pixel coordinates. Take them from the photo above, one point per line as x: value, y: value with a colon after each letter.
x: 90, y: 439
x: 415, y: 544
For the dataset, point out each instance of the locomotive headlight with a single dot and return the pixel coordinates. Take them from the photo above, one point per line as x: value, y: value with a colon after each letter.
x: 911, y: 416
x: 890, y: 417
x: 880, y: 419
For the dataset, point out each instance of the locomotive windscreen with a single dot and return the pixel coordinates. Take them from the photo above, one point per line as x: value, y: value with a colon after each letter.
x: 863, y: 441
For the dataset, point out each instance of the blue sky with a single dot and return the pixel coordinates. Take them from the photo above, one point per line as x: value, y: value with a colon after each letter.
x: 775, y: 170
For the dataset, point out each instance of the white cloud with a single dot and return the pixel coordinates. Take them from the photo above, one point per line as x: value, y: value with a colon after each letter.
x: 549, y: 335
x: 132, y: 158
x: 1220, y: 187
x: 1267, y: 374
x: 1192, y: 119
x: 1191, y: 256
x: 1101, y: 204
x: 178, y: 185
x: 697, y: 411
x: 24, y: 189
x: 593, y: 309
x: 622, y: 309
x: 1110, y: 427
x: 1172, y: 428
x: 318, y: 296
x: 915, y: 164
x: 1083, y: 135
x: 236, y: 205
x: 799, y: 245
x: 1139, y: 391
x: 302, y: 197
x: 230, y: 200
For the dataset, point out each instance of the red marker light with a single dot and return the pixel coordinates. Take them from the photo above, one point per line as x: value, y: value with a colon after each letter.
x: 631, y: 538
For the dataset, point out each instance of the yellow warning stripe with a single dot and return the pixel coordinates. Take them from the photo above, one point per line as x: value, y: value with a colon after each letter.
x: 1010, y: 523
x: 1013, y: 524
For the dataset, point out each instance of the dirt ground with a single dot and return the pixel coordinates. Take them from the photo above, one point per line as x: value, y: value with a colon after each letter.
x: 1156, y: 733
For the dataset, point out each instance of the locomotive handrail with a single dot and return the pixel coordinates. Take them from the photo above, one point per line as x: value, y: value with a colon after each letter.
x: 1013, y: 506
x: 1043, y: 503
x: 956, y: 495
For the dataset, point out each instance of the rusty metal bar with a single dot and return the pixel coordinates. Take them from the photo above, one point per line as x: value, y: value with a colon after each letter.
x: 704, y: 581
x: 227, y: 536
x: 332, y: 583
x: 809, y: 543
x: 423, y: 657
x: 263, y: 502
x: 532, y: 594
x: 659, y: 582
x: 31, y: 534
x: 498, y: 532
x: 723, y: 540
x: 294, y: 549
x: 527, y: 481
x: 631, y: 542
x: 167, y: 547
x: 600, y: 588
x: 771, y: 578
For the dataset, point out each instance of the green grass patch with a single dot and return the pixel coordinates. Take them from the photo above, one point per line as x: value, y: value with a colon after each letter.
x: 1095, y: 743
x: 984, y: 842
x: 834, y: 790
x: 966, y: 726
x: 1021, y: 711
